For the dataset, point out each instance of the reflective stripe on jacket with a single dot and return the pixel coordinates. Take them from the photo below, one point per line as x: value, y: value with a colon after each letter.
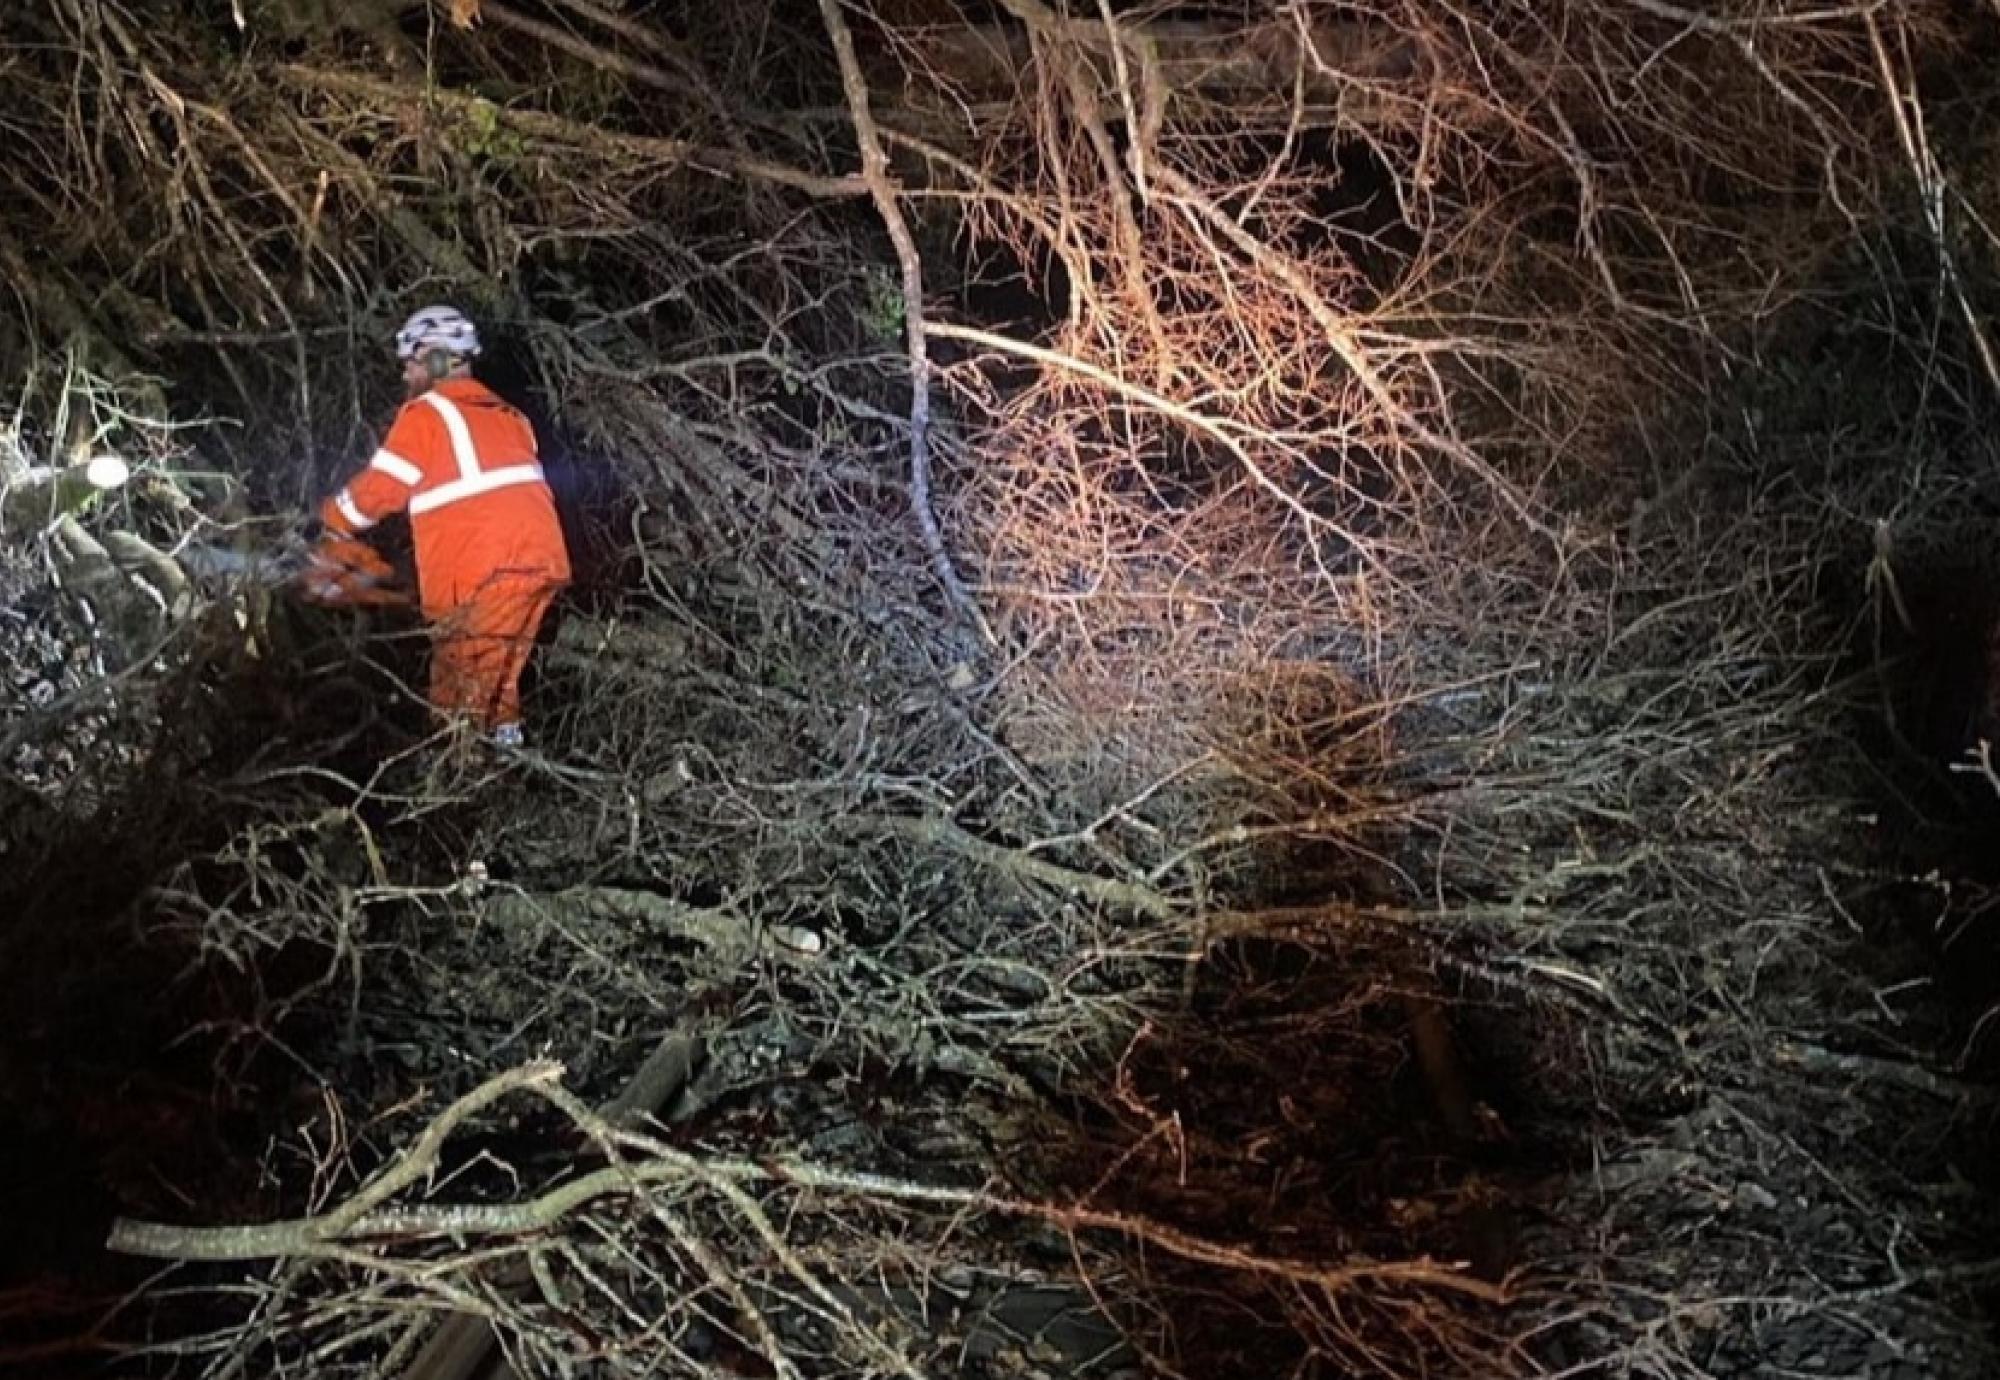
x: 463, y: 463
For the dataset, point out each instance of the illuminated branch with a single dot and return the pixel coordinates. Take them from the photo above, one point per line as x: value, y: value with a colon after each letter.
x: 364, y: 1218
x: 1216, y: 429
x: 875, y: 173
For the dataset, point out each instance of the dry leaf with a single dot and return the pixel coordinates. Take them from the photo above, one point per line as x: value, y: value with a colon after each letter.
x: 465, y: 13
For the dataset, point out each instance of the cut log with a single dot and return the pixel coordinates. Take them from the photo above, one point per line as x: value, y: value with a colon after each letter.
x: 33, y: 499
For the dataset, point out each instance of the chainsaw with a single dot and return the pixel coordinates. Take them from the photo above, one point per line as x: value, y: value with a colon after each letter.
x: 335, y: 571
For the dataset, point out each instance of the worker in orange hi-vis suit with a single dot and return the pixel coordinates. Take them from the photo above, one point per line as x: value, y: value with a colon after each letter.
x: 490, y: 552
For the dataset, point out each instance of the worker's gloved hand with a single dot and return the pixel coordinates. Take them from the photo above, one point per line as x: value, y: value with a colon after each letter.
x: 345, y: 573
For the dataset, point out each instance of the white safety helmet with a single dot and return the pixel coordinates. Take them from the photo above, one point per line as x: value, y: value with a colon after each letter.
x: 437, y: 328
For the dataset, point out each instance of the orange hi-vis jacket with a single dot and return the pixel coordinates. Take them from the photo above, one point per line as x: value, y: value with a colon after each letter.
x: 464, y: 464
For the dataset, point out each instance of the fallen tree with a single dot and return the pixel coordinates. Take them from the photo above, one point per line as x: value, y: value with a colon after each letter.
x: 1146, y: 574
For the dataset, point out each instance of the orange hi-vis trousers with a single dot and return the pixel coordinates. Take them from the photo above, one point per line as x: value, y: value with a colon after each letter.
x: 481, y: 647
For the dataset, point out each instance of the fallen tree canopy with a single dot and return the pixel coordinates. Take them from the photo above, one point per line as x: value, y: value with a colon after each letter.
x: 1267, y: 689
